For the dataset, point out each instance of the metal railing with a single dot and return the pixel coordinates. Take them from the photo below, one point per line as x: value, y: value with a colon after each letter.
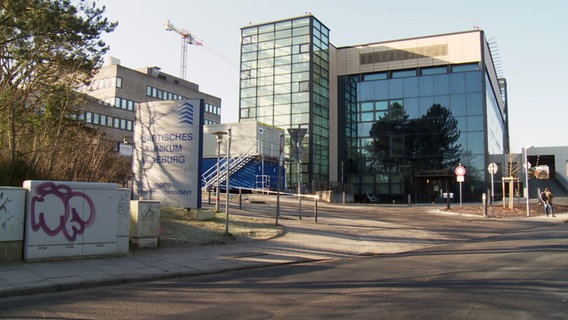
x: 209, y: 178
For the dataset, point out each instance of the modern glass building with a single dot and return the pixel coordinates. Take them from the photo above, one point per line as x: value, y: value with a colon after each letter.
x: 388, y: 119
x: 285, y: 83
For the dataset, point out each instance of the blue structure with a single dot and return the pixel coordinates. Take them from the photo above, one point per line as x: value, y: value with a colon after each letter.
x: 250, y: 176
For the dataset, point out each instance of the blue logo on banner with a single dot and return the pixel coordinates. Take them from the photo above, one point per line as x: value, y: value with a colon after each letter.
x: 185, y: 112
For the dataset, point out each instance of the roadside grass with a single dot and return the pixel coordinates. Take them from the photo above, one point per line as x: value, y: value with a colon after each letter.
x: 180, y: 228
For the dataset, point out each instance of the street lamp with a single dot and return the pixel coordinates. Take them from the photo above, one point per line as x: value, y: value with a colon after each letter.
x: 526, y: 160
x: 227, y: 186
x: 219, y: 135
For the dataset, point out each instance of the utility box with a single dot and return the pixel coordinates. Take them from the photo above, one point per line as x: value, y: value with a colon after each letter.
x: 68, y: 219
x: 123, y: 221
x: 145, y: 223
x: 12, y: 211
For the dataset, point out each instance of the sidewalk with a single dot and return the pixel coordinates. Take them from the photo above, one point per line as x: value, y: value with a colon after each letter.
x: 303, y: 241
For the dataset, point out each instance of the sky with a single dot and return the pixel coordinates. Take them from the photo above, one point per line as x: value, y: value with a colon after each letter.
x: 530, y: 37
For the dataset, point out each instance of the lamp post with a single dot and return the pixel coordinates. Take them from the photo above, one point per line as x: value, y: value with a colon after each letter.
x: 227, y: 186
x: 526, y: 160
x: 219, y: 135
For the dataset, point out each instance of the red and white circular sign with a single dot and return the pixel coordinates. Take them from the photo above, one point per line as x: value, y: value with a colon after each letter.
x: 460, y: 171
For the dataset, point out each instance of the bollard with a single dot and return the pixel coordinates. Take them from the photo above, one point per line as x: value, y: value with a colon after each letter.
x: 484, y: 203
x: 316, y: 209
x: 240, y: 198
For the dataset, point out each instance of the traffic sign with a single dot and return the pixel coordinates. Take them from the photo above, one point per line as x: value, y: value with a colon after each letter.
x: 460, y: 170
x: 492, y: 168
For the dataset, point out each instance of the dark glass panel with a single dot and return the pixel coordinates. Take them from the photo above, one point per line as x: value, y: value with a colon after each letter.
x: 365, y: 91
x: 458, y: 105
x: 441, y: 85
x: 396, y: 88
x: 475, y: 142
x: 412, y: 108
x: 381, y: 89
x: 426, y: 86
x: 474, y: 123
x: 457, y: 83
x: 410, y: 87
x: 473, y: 81
x: 474, y: 102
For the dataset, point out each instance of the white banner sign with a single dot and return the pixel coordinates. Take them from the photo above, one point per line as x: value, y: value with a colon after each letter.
x: 168, y: 152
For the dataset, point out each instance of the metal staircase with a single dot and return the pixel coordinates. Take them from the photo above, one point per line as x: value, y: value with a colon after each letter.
x: 210, y: 178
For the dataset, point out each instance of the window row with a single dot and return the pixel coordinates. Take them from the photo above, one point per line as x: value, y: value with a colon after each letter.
x: 251, y: 53
x: 436, y: 85
x: 166, y: 95
x: 279, y: 74
x: 107, y: 121
x: 209, y: 108
x: 275, y: 27
x: 420, y: 71
x: 208, y: 122
x: 162, y: 94
x: 120, y: 103
x: 459, y: 105
x: 97, y: 84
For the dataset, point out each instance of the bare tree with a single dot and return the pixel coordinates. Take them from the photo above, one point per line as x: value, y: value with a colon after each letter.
x: 47, y: 49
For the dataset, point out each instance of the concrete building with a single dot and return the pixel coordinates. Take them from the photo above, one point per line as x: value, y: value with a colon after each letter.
x: 385, y: 119
x: 116, y: 91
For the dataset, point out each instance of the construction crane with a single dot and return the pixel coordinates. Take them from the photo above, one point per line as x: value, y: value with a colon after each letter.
x: 186, y: 38
x: 190, y: 38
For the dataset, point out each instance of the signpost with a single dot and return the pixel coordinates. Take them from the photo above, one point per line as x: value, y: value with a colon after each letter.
x: 492, y: 168
x: 297, y: 153
x: 460, y: 175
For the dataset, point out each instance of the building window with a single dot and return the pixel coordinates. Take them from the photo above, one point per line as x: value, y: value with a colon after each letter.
x: 404, y: 73
x: 375, y: 76
x: 434, y: 70
x: 465, y: 67
x: 304, y: 86
x: 245, y: 74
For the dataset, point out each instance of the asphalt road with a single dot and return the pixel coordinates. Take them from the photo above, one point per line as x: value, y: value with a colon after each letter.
x: 484, y: 269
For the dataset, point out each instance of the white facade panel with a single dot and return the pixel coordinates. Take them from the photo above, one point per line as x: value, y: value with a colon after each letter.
x: 251, y: 138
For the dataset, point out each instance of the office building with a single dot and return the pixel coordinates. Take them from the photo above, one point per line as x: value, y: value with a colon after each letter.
x: 388, y: 119
x: 116, y: 91
x: 285, y: 83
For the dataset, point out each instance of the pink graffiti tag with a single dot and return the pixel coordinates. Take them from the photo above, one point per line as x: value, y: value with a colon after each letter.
x: 70, y: 222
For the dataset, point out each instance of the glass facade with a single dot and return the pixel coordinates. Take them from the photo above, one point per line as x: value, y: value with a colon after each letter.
x: 406, y: 131
x: 284, y: 82
x: 408, y: 111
